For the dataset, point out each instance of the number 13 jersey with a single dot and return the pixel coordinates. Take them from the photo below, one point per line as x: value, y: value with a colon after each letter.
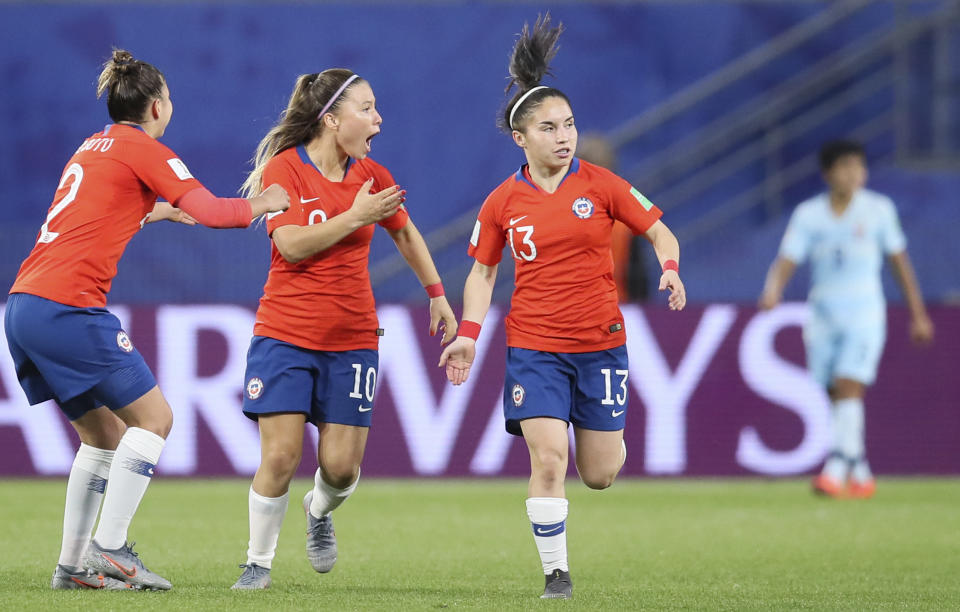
x: 564, y: 298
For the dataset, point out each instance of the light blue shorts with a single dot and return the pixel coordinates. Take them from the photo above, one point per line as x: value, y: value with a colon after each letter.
x: 849, y: 350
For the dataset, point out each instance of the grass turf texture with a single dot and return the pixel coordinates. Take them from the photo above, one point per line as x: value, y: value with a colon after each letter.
x: 643, y: 544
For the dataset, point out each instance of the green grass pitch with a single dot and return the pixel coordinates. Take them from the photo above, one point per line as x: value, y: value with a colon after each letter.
x: 428, y: 545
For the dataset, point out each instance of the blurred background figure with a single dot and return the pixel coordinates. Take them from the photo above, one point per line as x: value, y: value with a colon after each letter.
x: 629, y: 272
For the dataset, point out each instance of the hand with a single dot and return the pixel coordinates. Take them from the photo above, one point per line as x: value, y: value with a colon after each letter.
x: 768, y: 300
x: 678, y: 295
x: 458, y: 356
x: 440, y: 310
x: 272, y: 199
x: 921, y: 329
x: 165, y: 211
x: 373, y: 207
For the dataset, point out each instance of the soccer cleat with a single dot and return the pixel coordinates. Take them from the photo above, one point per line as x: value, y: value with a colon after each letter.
x: 321, y: 539
x: 63, y: 579
x: 862, y: 490
x: 825, y: 485
x: 123, y: 564
x: 253, y: 578
x: 558, y: 585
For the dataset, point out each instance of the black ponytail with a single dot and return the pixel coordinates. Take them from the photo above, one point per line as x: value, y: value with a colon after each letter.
x: 529, y: 63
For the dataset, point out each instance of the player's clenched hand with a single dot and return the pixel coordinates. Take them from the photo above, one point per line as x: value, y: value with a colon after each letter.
x: 165, y: 211
x: 678, y: 295
x: 458, y: 356
x: 372, y: 207
x: 441, y: 314
x: 921, y: 329
x: 272, y: 199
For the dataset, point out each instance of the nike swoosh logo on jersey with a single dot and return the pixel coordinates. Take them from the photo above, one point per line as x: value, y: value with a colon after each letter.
x: 302, y: 201
x: 616, y: 413
x: 543, y: 531
x: 362, y: 409
x: 518, y: 219
x: 130, y: 573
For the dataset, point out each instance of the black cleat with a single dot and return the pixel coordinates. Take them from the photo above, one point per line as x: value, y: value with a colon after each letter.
x: 558, y: 585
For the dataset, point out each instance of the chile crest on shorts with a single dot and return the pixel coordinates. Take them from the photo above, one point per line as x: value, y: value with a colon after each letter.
x: 254, y: 388
x: 123, y: 341
x: 583, y: 208
x: 518, y: 394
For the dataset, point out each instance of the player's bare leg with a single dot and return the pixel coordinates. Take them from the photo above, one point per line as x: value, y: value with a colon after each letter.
x: 148, y: 420
x: 848, y: 456
x: 600, y: 455
x: 100, y: 431
x: 549, y: 445
x: 339, y: 455
x: 281, y: 446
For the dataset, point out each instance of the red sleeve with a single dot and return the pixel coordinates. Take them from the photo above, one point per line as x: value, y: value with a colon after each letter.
x: 381, y: 180
x: 487, y: 240
x: 161, y: 170
x: 629, y: 206
x: 279, y: 172
x: 212, y: 211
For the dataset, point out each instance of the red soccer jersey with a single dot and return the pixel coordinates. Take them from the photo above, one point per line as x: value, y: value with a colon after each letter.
x: 107, y: 190
x: 564, y: 298
x: 324, y: 302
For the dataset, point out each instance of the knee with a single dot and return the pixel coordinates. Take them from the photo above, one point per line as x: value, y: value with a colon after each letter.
x: 281, y: 461
x: 598, y: 480
x: 158, y: 421
x: 340, y: 474
x: 550, y: 467
x: 597, y: 477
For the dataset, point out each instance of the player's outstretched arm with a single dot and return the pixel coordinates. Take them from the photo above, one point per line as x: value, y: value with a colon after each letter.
x: 667, y: 248
x: 414, y: 249
x: 209, y: 210
x: 298, y: 242
x: 781, y: 270
x: 165, y: 211
x: 477, y: 293
x: 921, y: 327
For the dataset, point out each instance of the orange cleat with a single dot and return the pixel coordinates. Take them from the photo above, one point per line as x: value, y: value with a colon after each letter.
x: 862, y: 490
x: 825, y: 485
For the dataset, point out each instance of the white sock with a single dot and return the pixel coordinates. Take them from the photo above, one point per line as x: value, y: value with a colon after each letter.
x: 326, y: 498
x: 850, y: 413
x: 548, y: 516
x: 266, y: 518
x: 85, y: 487
x: 133, y: 464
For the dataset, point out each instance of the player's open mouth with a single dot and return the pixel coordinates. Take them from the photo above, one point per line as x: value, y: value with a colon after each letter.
x: 562, y: 152
x: 370, y: 140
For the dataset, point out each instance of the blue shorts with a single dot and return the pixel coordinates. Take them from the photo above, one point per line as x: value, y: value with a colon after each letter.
x: 325, y: 386
x: 586, y: 389
x: 80, y: 357
x: 848, y: 350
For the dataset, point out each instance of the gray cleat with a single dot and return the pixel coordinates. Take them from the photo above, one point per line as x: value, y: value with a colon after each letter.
x: 321, y: 539
x: 64, y: 579
x: 123, y: 564
x: 253, y: 578
x: 558, y: 585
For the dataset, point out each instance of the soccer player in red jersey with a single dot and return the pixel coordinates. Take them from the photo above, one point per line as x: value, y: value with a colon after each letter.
x: 566, y: 355
x: 313, y: 357
x: 68, y: 347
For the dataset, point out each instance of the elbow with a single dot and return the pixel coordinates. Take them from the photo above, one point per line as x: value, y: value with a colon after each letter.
x: 289, y: 252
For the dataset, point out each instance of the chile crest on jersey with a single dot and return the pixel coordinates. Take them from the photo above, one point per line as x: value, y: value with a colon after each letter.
x: 583, y: 207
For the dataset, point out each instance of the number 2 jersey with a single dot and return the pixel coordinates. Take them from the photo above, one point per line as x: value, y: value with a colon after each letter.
x: 324, y: 302
x: 106, y: 191
x: 564, y: 298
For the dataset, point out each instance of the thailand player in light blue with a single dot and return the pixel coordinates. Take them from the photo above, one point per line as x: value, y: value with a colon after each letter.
x: 845, y: 233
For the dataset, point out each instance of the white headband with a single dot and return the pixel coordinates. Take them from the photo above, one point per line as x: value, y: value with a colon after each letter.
x: 520, y: 101
x: 334, y: 97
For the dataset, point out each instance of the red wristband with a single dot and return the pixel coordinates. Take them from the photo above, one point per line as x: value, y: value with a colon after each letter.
x: 434, y: 290
x: 671, y: 264
x: 469, y: 329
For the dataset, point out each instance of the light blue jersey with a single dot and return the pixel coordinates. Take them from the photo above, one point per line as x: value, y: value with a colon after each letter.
x: 847, y: 329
